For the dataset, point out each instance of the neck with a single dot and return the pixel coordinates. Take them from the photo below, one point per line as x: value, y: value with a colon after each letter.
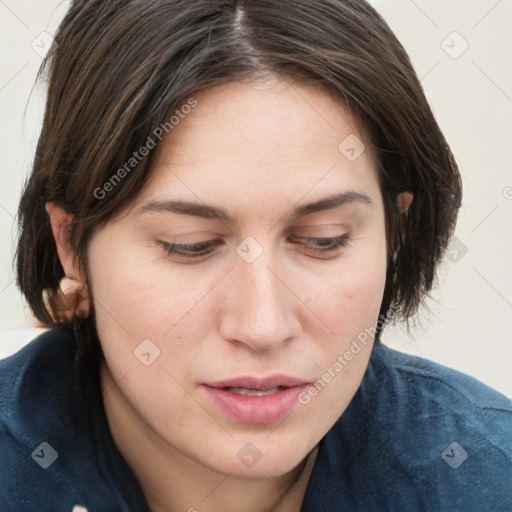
x: 172, y: 481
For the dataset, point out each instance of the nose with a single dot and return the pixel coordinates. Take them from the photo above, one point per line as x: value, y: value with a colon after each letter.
x: 260, y: 310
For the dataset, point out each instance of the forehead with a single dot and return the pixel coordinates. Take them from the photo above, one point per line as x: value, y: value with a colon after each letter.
x: 277, y: 116
x: 262, y: 140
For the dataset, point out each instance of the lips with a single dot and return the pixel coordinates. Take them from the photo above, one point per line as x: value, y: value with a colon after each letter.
x: 258, y: 383
x: 253, y: 400
x: 254, y: 392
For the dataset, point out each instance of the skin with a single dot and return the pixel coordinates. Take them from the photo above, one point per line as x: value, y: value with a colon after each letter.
x: 256, y: 150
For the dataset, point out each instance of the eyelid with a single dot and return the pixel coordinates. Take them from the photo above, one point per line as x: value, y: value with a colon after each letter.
x: 323, y: 245
x: 333, y: 243
x: 196, y: 249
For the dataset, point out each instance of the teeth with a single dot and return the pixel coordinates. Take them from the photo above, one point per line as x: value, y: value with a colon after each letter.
x: 255, y: 392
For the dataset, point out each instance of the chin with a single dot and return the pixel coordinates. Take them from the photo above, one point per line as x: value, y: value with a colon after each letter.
x: 256, y: 457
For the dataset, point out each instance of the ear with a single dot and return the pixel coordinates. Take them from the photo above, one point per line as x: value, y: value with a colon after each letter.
x: 61, y: 221
x: 404, y: 200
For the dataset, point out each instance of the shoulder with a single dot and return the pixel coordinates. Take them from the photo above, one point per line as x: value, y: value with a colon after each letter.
x: 443, y: 407
x: 418, y: 385
x: 43, y: 463
x: 418, y: 371
x: 40, y: 373
x: 426, y: 436
x: 41, y: 370
x: 35, y: 387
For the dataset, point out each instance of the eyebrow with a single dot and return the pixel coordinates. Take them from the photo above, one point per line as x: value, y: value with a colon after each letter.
x: 210, y: 212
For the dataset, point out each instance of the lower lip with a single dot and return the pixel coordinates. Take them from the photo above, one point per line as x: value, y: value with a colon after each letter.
x: 255, y: 410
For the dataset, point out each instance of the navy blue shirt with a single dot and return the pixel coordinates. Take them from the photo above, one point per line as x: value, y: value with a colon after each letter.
x: 417, y: 436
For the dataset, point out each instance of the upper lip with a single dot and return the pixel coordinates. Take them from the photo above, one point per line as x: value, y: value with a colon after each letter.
x: 250, y: 382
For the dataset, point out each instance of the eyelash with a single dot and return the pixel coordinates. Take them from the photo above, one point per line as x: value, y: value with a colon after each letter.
x: 197, y: 250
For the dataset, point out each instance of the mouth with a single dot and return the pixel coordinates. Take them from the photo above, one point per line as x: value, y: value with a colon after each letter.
x: 255, y: 401
x: 254, y: 392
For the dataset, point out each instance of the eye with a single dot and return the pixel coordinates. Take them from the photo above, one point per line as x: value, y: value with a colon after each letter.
x: 196, y: 250
x: 323, y: 245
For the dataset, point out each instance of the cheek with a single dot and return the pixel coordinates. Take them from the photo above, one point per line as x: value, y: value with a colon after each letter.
x: 133, y: 296
x: 358, y: 297
x: 349, y: 304
x: 137, y: 299
x: 349, y: 299
x: 124, y: 304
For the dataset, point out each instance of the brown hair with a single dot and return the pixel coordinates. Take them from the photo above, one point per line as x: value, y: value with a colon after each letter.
x: 121, y: 68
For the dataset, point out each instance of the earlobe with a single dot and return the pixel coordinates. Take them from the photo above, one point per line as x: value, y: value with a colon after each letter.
x: 60, y: 222
x: 404, y: 200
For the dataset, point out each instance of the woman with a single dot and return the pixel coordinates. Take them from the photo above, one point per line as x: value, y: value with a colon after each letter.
x: 235, y: 198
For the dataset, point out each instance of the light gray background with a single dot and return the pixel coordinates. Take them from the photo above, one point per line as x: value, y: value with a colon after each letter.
x: 470, y: 90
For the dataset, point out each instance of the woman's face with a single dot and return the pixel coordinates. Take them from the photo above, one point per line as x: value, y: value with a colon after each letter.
x: 215, y: 347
